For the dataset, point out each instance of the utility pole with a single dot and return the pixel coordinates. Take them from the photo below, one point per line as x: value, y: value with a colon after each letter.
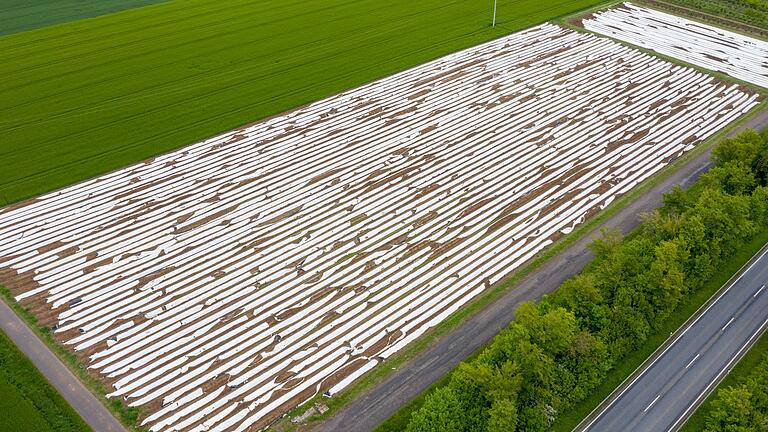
x: 494, y: 13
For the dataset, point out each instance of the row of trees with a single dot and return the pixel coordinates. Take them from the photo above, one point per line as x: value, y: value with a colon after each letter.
x: 557, y: 351
x: 742, y: 407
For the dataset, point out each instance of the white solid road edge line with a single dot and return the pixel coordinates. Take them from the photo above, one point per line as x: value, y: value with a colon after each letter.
x: 718, y: 376
x: 655, y: 357
x: 652, y: 402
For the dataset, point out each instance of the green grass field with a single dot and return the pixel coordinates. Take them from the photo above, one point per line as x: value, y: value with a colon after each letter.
x: 27, y: 400
x: 87, y: 97
x: 22, y: 15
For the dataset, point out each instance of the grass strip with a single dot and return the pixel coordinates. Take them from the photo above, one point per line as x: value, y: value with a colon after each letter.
x: 28, y: 402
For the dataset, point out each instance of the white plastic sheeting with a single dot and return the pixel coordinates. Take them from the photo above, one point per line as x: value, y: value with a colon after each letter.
x: 703, y: 45
x: 223, y: 284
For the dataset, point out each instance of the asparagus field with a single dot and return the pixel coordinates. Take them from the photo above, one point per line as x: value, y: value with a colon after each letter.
x: 223, y: 284
x: 733, y: 54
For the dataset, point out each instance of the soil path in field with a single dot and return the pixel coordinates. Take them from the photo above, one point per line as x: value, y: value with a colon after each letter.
x: 82, y: 400
x: 442, y: 356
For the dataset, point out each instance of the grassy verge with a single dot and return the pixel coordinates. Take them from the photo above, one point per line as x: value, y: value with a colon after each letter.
x: 126, y: 415
x: 743, y: 369
x: 28, y: 403
x: 624, y: 368
x: 400, y: 418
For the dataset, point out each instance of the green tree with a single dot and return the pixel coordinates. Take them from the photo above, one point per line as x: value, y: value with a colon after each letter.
x: 732, y: 411
x: 503, y: 416
x: 733, y: 177
x: 676, y: 200
x: 759, y: 206
x: 581, y: 296
x: 441, y: 413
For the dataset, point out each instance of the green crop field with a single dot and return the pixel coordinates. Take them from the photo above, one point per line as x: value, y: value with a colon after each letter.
x: 22, y: 15
x: 87, y: 97
x: 27, y: 400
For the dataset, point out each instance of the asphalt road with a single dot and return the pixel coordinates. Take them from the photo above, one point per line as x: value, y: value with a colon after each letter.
x: 671, y: 384
x: 82, y: 400
x: 382, y: 400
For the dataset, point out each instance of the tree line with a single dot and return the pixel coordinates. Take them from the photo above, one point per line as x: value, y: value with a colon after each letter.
x: 557, y: 351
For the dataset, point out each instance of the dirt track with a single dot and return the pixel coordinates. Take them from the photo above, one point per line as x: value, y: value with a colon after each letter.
x: 380, y: 402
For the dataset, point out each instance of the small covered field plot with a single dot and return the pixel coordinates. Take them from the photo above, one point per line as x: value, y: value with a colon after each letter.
x: 223, y: 284
x: 739, y: 56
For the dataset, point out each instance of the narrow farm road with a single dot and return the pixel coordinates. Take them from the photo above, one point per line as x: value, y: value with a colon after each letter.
x: 403, y: 385
x: 90, y: 409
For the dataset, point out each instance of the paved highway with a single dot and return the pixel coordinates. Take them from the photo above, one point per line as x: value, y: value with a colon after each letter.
x: 82, y: 400
x: 671, y: 384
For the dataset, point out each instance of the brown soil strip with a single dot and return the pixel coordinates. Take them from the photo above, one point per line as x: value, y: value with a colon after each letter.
x: 475, y: 206
x: 419, y: 94
x: 325, y: 175
x: 577, y: 68
x: 280, y: 217
x: 444, y: 247
x: 205, y: 220
x: 544, y: 56
x: 448, y: 73
x: 357, y: 219
x: 425, y: 219
x: 50, y: 247
x: 418, y: 246
x: 17, y: 282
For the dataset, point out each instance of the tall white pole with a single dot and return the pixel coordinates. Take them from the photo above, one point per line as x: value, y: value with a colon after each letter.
x: 494, y: 13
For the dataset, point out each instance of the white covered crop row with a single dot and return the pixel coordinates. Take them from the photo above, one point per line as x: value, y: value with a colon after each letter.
x: 703, y: 45
x: 225, y: 283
